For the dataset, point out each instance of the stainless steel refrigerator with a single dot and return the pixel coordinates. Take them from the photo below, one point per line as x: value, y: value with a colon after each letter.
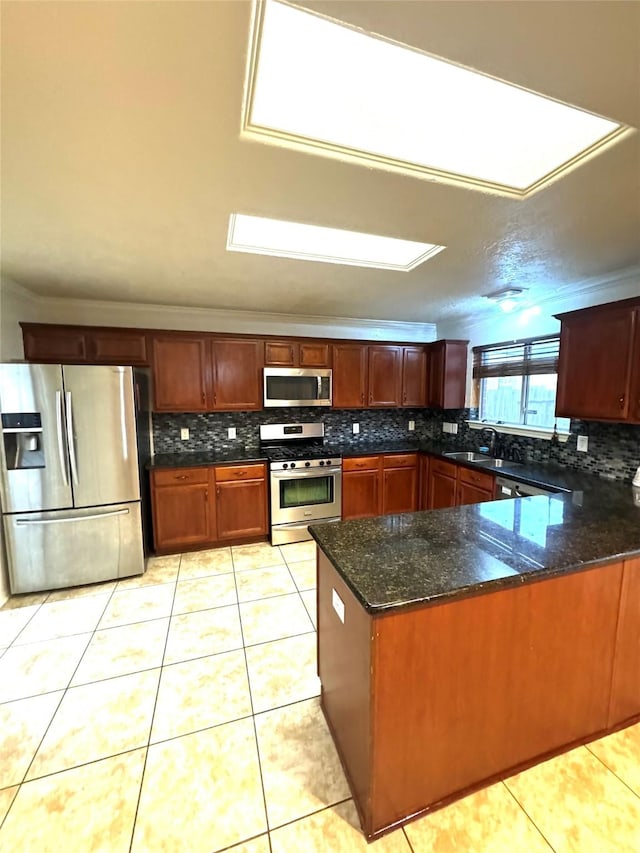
x: 69, y: 467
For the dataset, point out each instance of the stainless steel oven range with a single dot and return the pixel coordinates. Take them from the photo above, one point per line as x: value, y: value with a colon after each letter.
x: 305, y: 479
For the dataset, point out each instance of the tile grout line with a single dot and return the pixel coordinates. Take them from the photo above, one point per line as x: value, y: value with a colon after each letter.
x: 533, y: 823
x: 253, y: 716
x: 604, y: 764
x: 64, y: 693
x: 153, y: 713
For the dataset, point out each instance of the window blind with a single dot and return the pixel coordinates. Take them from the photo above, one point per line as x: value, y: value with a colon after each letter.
x: 517, y: 358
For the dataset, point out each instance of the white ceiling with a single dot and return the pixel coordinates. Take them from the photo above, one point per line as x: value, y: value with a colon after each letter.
x: 122, y: 160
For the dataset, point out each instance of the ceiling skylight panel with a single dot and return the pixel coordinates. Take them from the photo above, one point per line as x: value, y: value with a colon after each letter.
x: 319, y: 83
x: 263, y: 236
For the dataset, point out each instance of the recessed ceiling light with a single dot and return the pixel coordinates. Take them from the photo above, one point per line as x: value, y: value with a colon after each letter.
x: 315, y: 82
x: 261, y: 236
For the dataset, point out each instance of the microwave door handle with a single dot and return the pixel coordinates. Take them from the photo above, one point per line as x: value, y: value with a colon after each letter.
x: 70, y: 441
x: 59, y: 435
x: 319, y: 387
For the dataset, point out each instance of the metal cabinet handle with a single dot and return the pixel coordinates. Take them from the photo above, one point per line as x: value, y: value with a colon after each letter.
x: 218, y: 491
x: 621, y: 401
x: 72, y: 447
x: 362, y: 397
x: 206, y: 495
x: 240, y: 473
x: 203, y: 397
x: 182, y: 476
x: 59, y: 430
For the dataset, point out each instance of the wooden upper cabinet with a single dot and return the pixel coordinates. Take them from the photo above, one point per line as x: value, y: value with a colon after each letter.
x: 385, y: 376
x: 297, y: 354
x: 414, y: 376
x: 118, y: 346
x: 315, y: 354
x: 280, y: 353
x: 596, y: 361
x: 237, y: 374
x: 49, y: 343
x: 349, y: 376
x: 447, y: 374
x: 634, y: 389
x: 180, y: 373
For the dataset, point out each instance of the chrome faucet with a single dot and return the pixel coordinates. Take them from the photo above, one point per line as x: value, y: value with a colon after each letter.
x: 494, y: 439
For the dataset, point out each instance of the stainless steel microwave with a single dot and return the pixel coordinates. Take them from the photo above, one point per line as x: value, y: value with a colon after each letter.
x: 296, y: 386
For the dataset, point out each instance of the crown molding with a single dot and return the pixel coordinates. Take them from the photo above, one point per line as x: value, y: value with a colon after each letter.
x: 86, y: 311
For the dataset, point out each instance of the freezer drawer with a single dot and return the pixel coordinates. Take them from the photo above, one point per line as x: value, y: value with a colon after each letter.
x: 52, y: 550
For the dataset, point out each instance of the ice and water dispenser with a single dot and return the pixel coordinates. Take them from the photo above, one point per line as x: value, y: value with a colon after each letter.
x: 22, y: 437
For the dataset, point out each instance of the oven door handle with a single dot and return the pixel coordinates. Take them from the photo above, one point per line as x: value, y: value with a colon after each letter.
x: 314, y: 472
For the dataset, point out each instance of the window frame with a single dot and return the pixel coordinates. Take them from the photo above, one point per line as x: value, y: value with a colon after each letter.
x: 530, y: 363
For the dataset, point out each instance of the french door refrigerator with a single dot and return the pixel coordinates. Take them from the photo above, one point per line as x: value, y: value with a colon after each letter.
x: 70, y: 489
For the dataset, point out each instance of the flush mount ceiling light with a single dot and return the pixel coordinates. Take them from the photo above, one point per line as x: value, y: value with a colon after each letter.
x: 508, y: 298
x: 315, y: 83
x: 261, y: 236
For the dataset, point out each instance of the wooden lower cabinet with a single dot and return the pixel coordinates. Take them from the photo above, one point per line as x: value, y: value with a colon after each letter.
x: 455, y: 485
x: 196, y: 507
x: 241, y: 501
x: 545, y: 665
x: 400, y: 483
x: 442, y: 484
x: 183, y: 515
x: 379, y: 485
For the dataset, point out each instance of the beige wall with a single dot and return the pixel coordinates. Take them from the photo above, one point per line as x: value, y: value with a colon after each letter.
x: 16, y: 304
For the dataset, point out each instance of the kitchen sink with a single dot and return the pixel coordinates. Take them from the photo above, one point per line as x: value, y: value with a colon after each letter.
x: 480, y: 459
x: 468, y: 456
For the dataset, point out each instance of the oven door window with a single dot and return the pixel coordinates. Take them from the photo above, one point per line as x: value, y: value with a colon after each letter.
x: 306, y: 491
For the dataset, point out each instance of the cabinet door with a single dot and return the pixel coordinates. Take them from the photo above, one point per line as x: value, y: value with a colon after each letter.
x: 237, y: 375
x: 115, y: 346
x: 385, y: 375
x: 360, y: 494
x: 50, y: 343
x: 442, y: 490
x: 595, y: 364
x: 181, y: 517
x: 447, y: 374
x: 241, y: 508
x: 280, y: 353
x: 400, y: 490
x: 179, y: 374
x: 349, y: 376
x: 634, y: 390
x: 315, y: 354
x: 469, y: 494
x: 414, y: 376
x: 424, y: 482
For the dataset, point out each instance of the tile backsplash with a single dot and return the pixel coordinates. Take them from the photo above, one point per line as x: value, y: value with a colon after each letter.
x: 614, y: 449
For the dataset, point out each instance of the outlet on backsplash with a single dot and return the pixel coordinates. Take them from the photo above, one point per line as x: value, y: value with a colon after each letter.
x: 184, y: 434
x: 412, y: 426
x: 231, y: 432
x: 582, y: 443
x: 450, y: 428
x: 355, y: 428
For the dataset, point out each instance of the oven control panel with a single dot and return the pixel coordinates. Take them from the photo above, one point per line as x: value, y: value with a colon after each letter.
x: 302, y: 464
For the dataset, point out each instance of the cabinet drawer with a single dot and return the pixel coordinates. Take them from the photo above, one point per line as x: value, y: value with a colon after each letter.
x: 175, y: 476
x: 480, y: 479
x: 401, y: 460
x: 361, y: 463
x: 439, y: 466
x: 240, y: 472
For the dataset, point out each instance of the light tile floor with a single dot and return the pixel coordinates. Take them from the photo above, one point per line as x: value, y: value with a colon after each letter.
x: 178, y: 712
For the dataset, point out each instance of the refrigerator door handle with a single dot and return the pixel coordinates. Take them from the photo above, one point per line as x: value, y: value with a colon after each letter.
x: 22, y: 521
x: 60, y: 431
x: 70, y: 441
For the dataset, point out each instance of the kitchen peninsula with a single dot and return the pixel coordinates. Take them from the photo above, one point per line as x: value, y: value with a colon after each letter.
x: 460, y: 645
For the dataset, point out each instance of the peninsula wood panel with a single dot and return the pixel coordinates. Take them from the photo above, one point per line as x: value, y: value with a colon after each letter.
x: 486, y: 684
x: 344, y: 670
x: 625, y: 691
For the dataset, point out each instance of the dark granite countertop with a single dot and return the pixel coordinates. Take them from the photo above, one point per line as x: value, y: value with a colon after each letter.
x: 199, y: 458
x: 374, y: 447
x: 397, y: 561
